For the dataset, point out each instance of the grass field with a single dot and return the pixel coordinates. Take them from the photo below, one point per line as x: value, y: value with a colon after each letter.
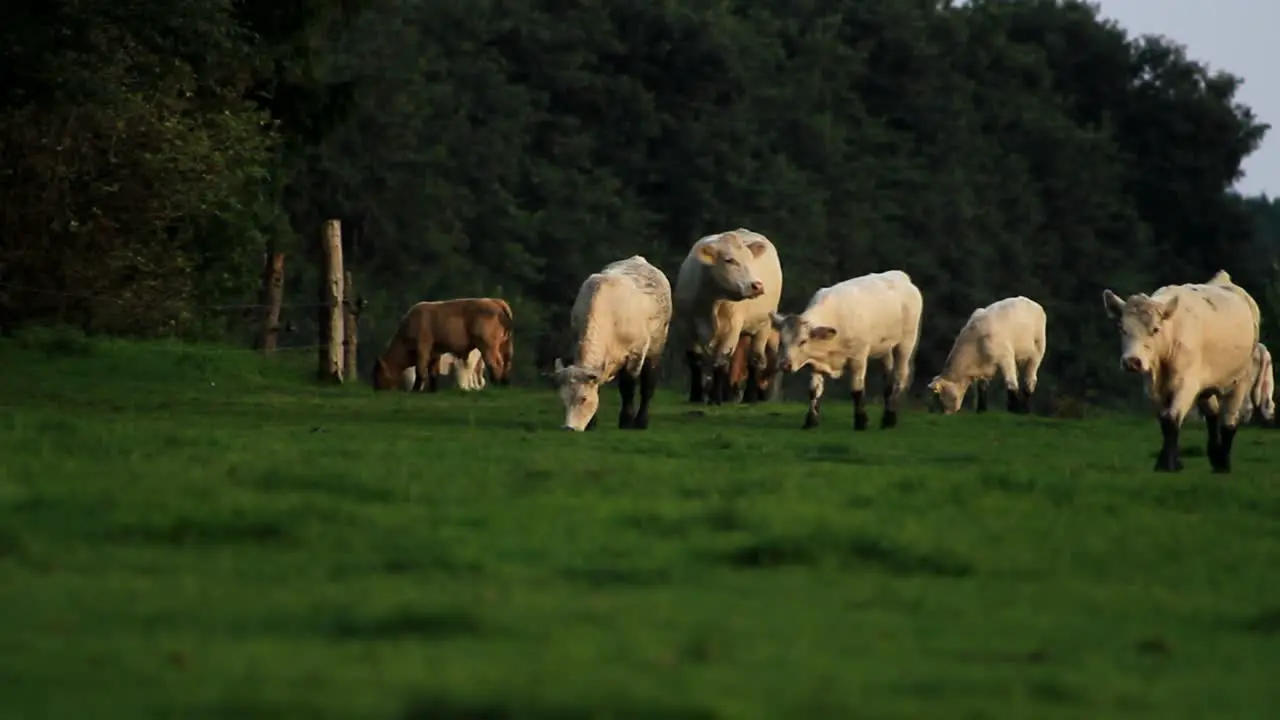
x: 203, y: 535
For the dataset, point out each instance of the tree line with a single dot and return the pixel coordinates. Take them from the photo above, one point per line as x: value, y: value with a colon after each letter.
x: 152, y: 151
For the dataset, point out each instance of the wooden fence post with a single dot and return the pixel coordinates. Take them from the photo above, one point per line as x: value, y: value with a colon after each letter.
x: 351, y: 330
x: 331, y: 325
x: 271, y: 298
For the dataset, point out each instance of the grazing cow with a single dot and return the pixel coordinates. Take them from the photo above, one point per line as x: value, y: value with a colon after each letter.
x: 431, y: 329
x: 1006, y: 335
x: 1194, y: 344
x: 1260, y: 406
x: 727, y: 286
x: 746, y: 383
x: 620, y: 321
x: 469, y: 375
x: 874, y: 316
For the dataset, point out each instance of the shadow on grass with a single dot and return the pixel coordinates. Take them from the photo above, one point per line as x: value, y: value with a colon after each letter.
x: 614, y: 576
x: 406, y: 624
x: 853, y: 551
x: 338, y: 485
x: 197, y: 531
x: 718, y: 516
x: 1263, y: 622
x: 445, y: 708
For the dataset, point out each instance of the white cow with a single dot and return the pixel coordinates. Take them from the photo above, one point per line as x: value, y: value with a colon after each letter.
x: 1262, y: 392
x: 1193, y: 344
x: 620, y: 321
x: 1005, y: 336
x: 728, y: 285
x: 469, y: 375
x: 874, y: 316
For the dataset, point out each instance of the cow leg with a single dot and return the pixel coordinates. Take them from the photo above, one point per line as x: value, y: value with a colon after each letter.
x: 858, y: 386
x: 1230, y: 419
x: 648, y: 385
x: 1177, y: 404
x: 711, y: 380
x: 433, y: 374
x: 720, y: 386
x: 980, y: 389
x: 816, y: 384
x: 750, y: 391
x: 1211, y: 409
x: 694, y: 364
x: 1009, y: 372
x: 898, y: 369
x: 492, y: 357
x: 507, y: 353
x: 425, y: 366
x: 1030, y: 378
x: 627, y: 389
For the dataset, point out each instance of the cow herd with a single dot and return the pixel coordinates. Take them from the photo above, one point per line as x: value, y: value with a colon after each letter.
x: 1196, y: 345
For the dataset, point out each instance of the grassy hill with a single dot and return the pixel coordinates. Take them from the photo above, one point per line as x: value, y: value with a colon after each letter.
x: 199, y: 533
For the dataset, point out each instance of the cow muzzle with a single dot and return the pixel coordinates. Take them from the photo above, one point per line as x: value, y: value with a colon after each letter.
x: 570, y: 428
x: 1131, y: 364
x: 756, y: 289
x: 785, y: 366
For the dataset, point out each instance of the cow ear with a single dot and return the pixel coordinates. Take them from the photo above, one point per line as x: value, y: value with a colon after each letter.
x: 933, y: 385
x: 1170, y: 306
x: 822, y: 333
x: 757, y: 248
x: 557, y: 366
x: 707, y: 254
x: 1113, y: 304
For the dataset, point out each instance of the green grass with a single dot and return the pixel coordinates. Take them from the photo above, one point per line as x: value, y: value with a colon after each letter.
x: 204, y: 535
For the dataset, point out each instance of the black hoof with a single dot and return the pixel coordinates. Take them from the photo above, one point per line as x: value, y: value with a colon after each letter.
x: 1013, y: 404
x: 810, y: 421
x: 625, y: 421
x: 641, y: 422
x: 1166, y: 464
x: 1219, y: 461
x: 860, y: 421
x: 888, y: 420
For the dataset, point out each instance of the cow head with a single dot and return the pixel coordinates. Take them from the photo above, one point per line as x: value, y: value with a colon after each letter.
x: 579, y: 391
x: 799, y: 341
x: 950, y: 394
x: 728, y: 259
x: 1143, y: 323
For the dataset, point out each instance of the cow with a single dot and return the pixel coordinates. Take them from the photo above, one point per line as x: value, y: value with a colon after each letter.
x: 875, y: 316
x: 727, y: 285
x: 469, y: 375
x: 429, y: 330
x: 1260, y: 406
x: 1008, y: 335
x: 746, y: 383
x: 1193, y: 344
x: 620, y: 322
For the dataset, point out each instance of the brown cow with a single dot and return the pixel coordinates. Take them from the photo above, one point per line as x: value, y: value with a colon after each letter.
x: 431, y: 329
x: 746, y: 384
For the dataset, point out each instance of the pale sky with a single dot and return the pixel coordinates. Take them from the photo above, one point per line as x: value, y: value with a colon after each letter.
x: 1230, y: 35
